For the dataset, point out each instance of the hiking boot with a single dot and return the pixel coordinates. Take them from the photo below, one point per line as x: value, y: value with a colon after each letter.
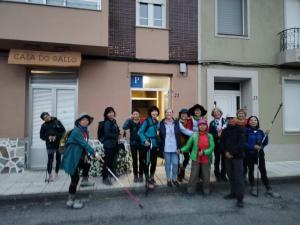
x: 253, y: 192
x: 86, y: 183
x: 77, y: 204
x: 107, y: 181
x: 135, y: 179
x: 169, y: 183
x: 229, y: 196
x: 175, y: 183
x: 272, y: 194
x: 141, y: 178
x: 240, y: 204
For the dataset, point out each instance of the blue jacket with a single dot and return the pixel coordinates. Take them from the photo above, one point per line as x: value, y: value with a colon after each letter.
x: 254, y: 137
x: 75, y: 147
x: 150, y: 133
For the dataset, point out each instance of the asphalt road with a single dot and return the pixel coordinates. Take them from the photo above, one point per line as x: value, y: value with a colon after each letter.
x: 162, y: 209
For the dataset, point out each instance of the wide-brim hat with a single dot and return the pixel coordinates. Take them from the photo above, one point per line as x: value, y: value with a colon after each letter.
x: 197, y: 106
x: 84, y: 115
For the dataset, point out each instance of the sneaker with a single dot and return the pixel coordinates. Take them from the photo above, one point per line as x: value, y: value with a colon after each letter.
x: 77, y: 204
x: 70, y: 203
x: 253, y: 192
x: 56, y: 176
x: 273, y: 194
x: 107, y: 181
x: 151, y: 185
x: 135, y: 179
x: 169, y: 183
x: 240, y: 204
x: 51, y: 178
x: 175, y: 183
x: 141, y: 178
x: 229, y: 196
x: 86, y: 183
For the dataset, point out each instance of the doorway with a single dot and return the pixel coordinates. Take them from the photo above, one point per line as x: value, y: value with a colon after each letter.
x: 56, y: 94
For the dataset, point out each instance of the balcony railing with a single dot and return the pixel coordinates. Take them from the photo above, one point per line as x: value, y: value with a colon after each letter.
x: 290, y: 39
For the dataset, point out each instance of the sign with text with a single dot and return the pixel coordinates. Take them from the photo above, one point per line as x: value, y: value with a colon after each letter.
x: 136, y: 81
x: 41, y: 58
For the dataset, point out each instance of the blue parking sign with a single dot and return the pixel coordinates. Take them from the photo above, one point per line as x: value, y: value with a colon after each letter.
x: 136, y: 81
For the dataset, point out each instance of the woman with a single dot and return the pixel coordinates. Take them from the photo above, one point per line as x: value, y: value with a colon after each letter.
x: 75, y: 154
x: 202, y: 145
x: 133, y: 124
x: 169, y: 132
x: 216, y: 127
x: 148, y: 133
x: 110, y: 142
x: 197, y: 112
x: 254, y: 152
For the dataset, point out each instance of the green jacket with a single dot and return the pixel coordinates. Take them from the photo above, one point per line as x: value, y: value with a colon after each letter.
x: 74, y: 148
x: 192, y: 143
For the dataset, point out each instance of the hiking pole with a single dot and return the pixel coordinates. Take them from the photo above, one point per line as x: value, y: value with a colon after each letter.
x: 135, y: 199
x: 261, y: 145
x: 147, y: 165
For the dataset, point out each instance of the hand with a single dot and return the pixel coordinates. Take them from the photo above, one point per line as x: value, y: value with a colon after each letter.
x: 147, y: 143
x: 228, y: 155
x: 267, y: 132
x: 257, y: 147
x: 178, y: 151
x: 98, y: 157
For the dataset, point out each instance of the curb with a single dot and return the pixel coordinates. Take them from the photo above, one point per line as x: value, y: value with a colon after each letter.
x: 117, y: 192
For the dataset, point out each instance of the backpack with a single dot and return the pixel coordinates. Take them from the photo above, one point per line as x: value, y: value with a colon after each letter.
x: 63, y: 141
x: 100, y: 132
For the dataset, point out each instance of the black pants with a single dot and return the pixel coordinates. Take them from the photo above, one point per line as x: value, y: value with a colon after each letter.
x: 250, y: 162
x: 137, y: 158
x: 110, y: 154
x: 234, y: 169
x: 219, y: 158
x: 150, y: 157
x: 85, y: 167
x: 50, y: 161
x: 186, y: 159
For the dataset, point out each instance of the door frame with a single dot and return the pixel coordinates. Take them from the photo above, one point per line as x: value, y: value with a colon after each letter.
x: 30, y: 109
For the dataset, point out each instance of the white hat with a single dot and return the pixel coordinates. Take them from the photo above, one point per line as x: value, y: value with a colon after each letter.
x: 230, y: 115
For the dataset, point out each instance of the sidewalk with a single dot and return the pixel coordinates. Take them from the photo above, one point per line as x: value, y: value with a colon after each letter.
x: 30, y: 184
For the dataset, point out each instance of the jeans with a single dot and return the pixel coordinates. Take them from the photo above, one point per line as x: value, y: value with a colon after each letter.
x: 235, y: 173
x: 171, y: 160
x: 137, y: 157
x: 50, y: 161
x: 85, y: 167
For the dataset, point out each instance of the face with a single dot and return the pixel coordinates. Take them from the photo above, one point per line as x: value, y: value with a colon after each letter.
x: 47, y: 118
x: 136, y: 115
x: 197, y: 112
x: 111, y: 115
x: 231, y: 121
x: 241, y: 116
x: 217, y: 114
x: 202, y: 127
x: 169, y: 114
x: 253, y: 122
x: 183, y: 116
x: 84, y: 122
x: 154, y: 114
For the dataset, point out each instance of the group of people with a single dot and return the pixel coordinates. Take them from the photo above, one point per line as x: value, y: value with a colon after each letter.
x: 235, y: 142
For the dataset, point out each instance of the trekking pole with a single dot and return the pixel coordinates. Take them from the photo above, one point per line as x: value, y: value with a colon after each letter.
x: 147, y: 165
x: 135, y: 199
x: 261, y: 145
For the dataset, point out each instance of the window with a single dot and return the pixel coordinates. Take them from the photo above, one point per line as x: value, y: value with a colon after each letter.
x: 81, y: 4
x: 151, y: 13
x: 291, y: 106
x: 232, y: 17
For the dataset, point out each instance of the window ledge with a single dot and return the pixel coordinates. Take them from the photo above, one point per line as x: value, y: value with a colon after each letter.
x: 149, y: 27
x: 232, y: 36
x: 291, y: 133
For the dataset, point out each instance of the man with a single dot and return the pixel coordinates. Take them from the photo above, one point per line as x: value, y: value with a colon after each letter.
x: 233, y: 141
x: 51, y: 132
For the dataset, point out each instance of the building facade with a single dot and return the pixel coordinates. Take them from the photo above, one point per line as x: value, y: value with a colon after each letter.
x: 67, y: 57
x: 249, y: 59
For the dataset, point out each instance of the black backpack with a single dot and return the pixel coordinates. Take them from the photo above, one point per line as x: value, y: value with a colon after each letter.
x: 100, y: 132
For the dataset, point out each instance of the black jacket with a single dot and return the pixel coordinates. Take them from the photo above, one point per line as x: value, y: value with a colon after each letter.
x: 134, y: 128
x: 111, y: 134
x: 162, y: 134
x: 233, y: 140
x: 52, y: 128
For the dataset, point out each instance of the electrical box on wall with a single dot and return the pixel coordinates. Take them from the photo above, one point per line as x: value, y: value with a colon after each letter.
x: 182, y: 68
